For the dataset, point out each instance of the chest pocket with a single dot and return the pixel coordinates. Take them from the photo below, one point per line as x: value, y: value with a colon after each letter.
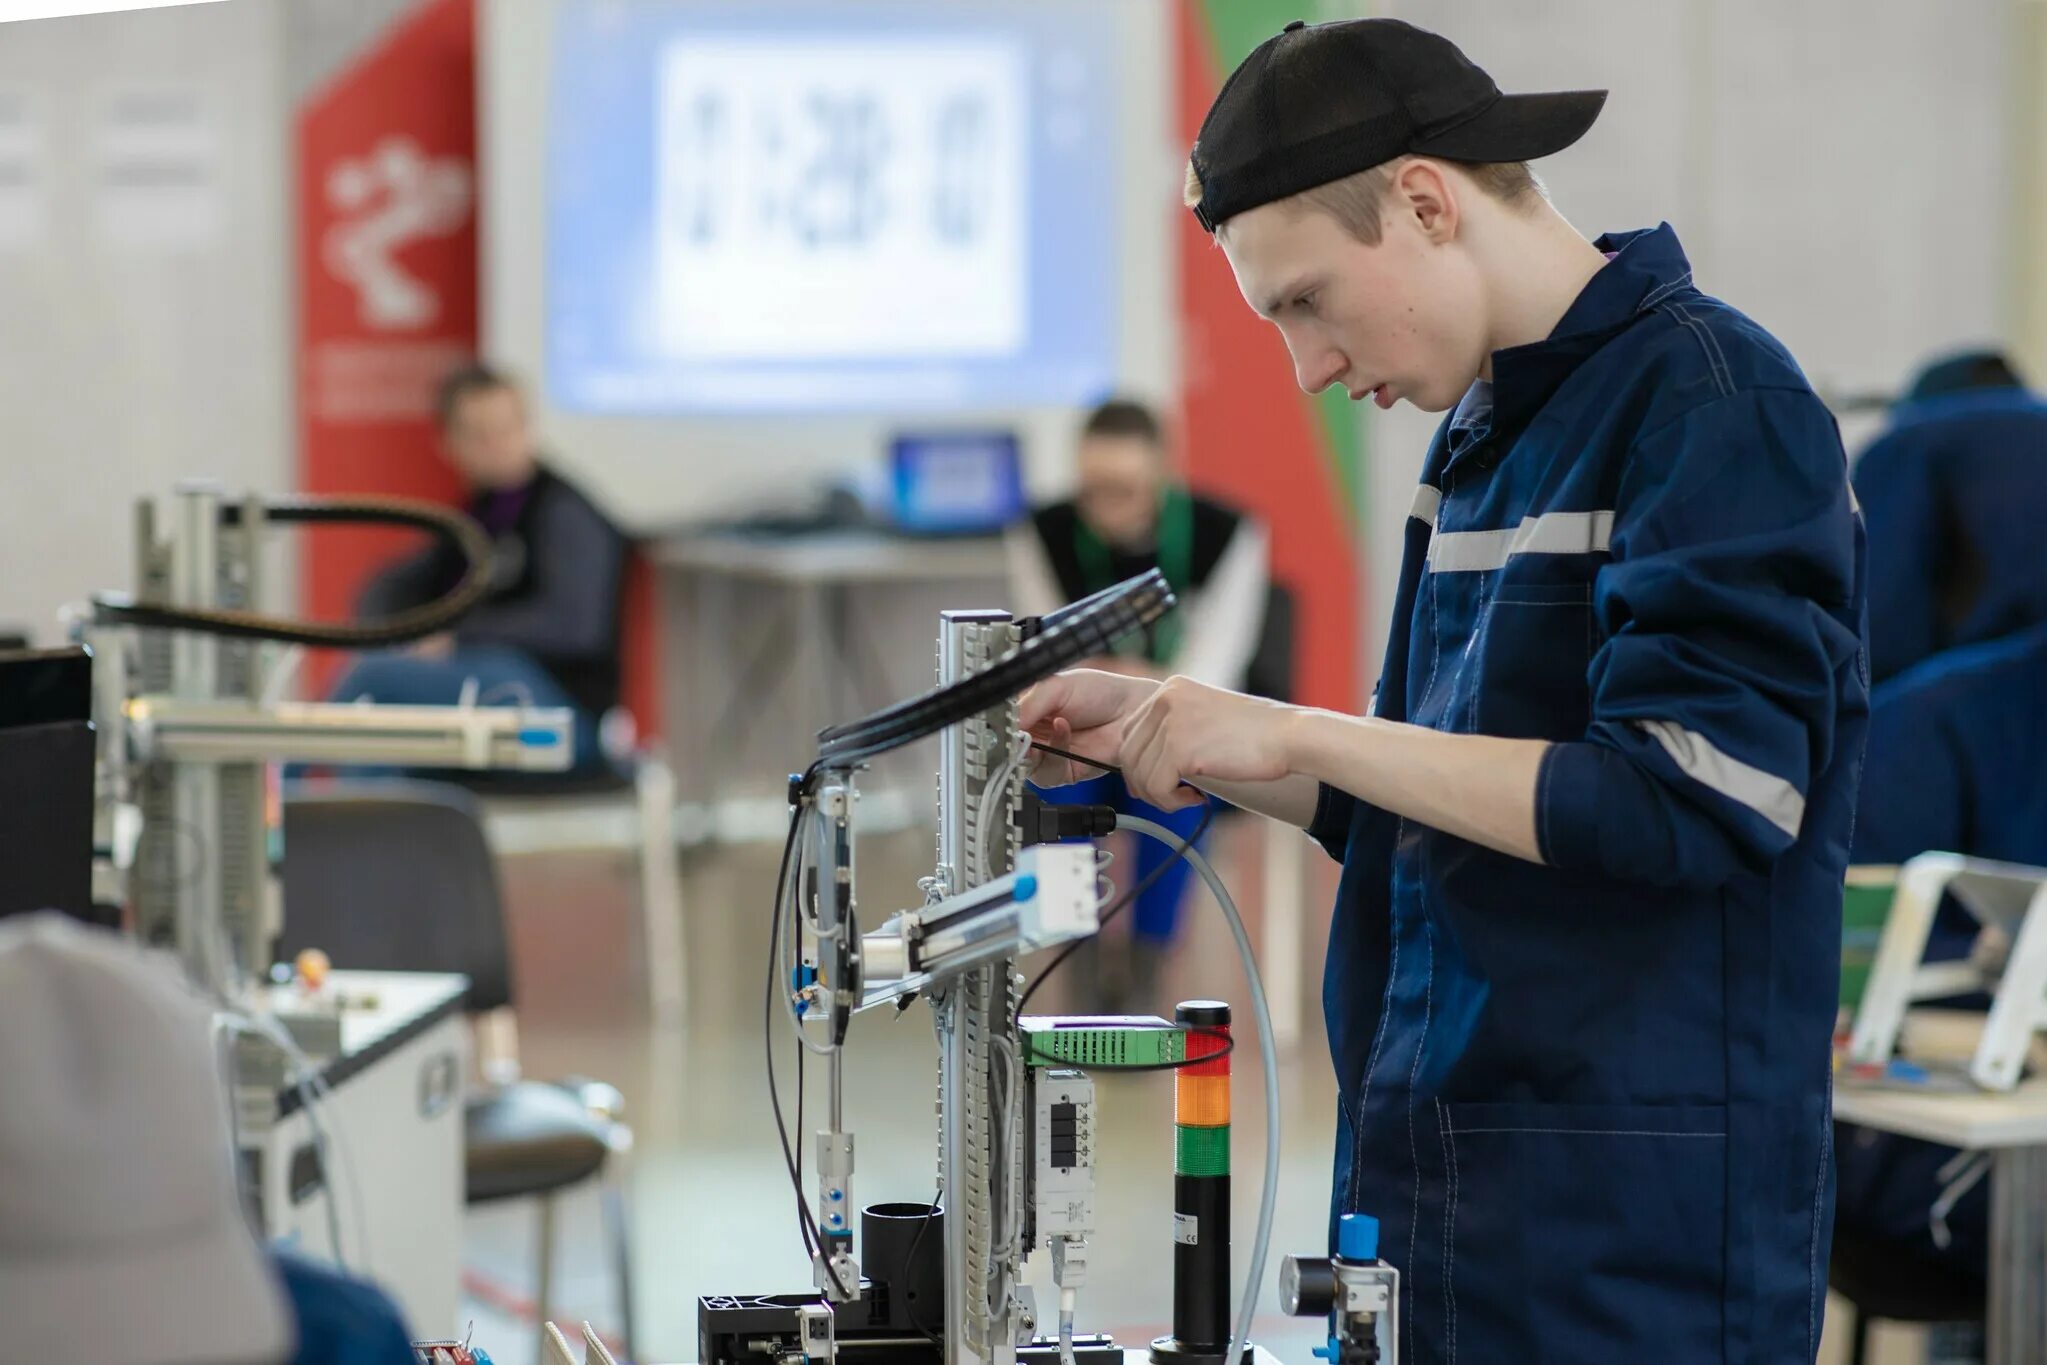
x: 1532, y: 650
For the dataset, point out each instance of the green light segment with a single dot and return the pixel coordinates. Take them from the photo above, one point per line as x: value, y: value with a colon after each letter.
x: 1201, y: 1151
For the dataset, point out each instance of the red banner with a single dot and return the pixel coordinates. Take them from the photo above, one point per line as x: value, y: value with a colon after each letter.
x: 387, y: 257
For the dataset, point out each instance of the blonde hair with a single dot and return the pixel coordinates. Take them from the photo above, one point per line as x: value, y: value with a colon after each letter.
x: 1356, y: 201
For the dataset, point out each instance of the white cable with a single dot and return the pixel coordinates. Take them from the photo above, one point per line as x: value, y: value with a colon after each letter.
x: 521, y: 694
x: 282, y: 672
x: 1266, y: 1056
x: 314, y: 1095
x: 1960, y: 1175
x: 992, y: 800
x: 1008, y: 1123
x: 1066, y: 1301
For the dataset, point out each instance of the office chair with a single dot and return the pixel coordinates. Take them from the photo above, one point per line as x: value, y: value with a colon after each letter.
x: 397, y: 876
x: 1882, y: 1285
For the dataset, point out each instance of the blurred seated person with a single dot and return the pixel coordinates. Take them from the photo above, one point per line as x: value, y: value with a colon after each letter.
x: 1957, y: 763
x: 1131, y: 513
x: 547, y: 632
x: 123, y: 1238
x: 1954, y: 494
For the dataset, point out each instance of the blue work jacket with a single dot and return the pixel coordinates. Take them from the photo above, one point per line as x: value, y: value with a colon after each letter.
x: 1954, y: 495
x: 1957, y: 764
x: 1958, y: 756
x: 1589, y: 1099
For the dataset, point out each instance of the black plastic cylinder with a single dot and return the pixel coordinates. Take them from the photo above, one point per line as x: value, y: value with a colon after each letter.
x: 902, y: 1246
x: 1201, y: 1243
x: 1201, y: 1267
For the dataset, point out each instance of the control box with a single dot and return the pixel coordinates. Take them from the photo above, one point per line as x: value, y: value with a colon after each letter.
x: 1063, y: 1154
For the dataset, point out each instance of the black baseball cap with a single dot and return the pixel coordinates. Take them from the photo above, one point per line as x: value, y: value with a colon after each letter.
x: 1318, y: 102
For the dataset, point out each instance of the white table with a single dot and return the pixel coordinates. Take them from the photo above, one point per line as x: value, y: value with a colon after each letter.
x: 2011, y: 1126
x: 832, y: 557
x: 394, y: 1173
x: 817, y: 574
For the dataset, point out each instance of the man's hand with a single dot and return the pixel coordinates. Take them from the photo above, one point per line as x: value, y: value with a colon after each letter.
x: 1081, y: 711
x: 1188, y: 731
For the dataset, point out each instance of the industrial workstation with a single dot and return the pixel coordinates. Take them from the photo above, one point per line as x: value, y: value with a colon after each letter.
x: 1023, y: 682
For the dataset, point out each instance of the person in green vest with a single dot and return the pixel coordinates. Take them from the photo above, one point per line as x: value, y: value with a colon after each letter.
x: 1132, y: 512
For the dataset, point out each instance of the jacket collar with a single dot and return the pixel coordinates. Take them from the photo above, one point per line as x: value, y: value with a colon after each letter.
x: 1648, y: 266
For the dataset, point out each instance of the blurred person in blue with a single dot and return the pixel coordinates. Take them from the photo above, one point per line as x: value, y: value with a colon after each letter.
x: 1957, y: 763
x: 123, y: 1239
x: 1585, y: 954
x: 1954, y: 493
x: 1131, y: 513
x: 547, y: 632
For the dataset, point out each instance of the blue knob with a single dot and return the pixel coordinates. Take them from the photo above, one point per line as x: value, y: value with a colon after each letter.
x: 836, y: 1220
x: 835, y: 1195
x: 1026, y: 887
x: 1331, y: 1353
x: 1357, y: 1237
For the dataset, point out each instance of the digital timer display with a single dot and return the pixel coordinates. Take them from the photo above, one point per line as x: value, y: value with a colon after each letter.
x: 869, y: 205
x: 848, y: 199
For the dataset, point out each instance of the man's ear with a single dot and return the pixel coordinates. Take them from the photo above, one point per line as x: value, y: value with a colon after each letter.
x: 1427, y: 193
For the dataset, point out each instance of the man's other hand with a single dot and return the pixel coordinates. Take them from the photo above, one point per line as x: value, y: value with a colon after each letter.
x: 1187, y: 731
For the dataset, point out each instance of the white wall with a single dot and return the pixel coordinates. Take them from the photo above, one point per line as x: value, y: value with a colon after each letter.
x: 1835, y: 168
x: 654, y: 471
x: 143, y: 321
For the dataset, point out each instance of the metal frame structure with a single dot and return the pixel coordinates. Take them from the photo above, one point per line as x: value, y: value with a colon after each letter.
x: 183, y: 799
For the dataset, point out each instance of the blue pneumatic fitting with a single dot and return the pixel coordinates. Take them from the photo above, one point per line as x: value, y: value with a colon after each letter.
x: 1357, y: 1237
x: 1025, y: 888
x: 1331, y: 1353
x: 539, y: 739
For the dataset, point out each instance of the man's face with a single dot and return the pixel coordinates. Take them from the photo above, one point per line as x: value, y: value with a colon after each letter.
x: 1120, y: 479
x: 488, y: 440
x: 1402, y: 319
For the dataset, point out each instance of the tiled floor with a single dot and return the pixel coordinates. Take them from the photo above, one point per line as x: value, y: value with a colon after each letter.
x: 709, y: 1197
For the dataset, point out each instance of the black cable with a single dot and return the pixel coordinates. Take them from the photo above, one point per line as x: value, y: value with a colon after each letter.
x: 1074, y: 758
x: 1089, y: 628
x: 1144, y: 884
x: 416, y: 623
x: 1229, y: 1046
x: 806, y: 1220
x: 910, y: 1256
x: 768, y: 1030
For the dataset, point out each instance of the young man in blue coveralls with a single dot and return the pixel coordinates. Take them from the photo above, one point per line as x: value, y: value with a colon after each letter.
x: 1583, y: 966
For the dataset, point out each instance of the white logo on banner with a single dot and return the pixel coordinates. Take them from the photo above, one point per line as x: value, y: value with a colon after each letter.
x: 396, y: 195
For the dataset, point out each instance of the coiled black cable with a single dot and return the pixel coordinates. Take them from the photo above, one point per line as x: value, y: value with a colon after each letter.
x: 1089, y: 627
x: 416, y: 623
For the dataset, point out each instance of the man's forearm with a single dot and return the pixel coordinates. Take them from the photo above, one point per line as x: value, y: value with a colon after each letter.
x: 1477, y: 787
x: 1291, y: 800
